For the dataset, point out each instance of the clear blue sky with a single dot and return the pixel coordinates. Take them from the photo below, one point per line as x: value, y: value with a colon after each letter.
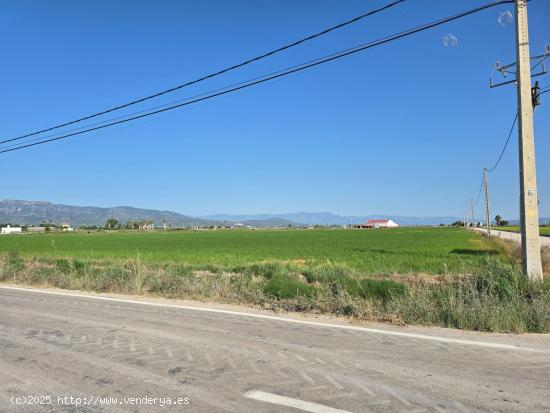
x: 405, y: 128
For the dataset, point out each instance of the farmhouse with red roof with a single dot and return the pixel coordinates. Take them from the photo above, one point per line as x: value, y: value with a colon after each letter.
x: 377, y: 223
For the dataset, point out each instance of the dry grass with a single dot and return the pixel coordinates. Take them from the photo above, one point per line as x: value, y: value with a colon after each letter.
x: 545, y: 252
x: 513, y: 251
x: 494, y: 297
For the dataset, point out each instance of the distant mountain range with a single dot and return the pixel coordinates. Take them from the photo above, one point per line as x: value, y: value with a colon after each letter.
x: 327, y: 218
x: 37, y: 212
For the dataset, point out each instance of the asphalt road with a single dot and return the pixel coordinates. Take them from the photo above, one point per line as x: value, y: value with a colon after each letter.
x: 91, y: 348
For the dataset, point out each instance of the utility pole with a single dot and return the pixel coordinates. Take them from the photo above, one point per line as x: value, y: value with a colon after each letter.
x: 530, y: 242
x: 527, y: 98
x: 466, y: 219
x: 473, y: 213
x: 487, y: 212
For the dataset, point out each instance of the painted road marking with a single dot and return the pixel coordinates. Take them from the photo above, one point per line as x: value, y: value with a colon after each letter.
x: 282, y: 319
x: 290, y: 402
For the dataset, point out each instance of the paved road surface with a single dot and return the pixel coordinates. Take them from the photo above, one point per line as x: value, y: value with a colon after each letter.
x: 72, y: 345
x: 514, y: 236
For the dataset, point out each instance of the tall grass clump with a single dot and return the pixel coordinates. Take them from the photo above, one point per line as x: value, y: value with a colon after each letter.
x: 339, y: 278
x: 496, y: 297
x: 288, y: 286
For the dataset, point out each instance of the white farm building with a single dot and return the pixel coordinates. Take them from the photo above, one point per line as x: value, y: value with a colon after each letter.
x: 11, y: 230
x: 382, y: 223
x: 378, y: 223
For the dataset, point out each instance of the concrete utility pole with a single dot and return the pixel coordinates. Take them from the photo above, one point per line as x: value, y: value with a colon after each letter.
x: 487, y: 212
x: 530, y: 241
x: 473, y: 213
x: 466, y: 219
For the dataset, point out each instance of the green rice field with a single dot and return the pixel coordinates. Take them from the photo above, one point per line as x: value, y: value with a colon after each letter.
x: 435, y: 276
x: 545, y: 230
x: 403, y: 250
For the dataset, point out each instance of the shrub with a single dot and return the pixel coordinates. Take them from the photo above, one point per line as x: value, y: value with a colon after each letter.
x: 382, y: 289
x: 63, y: 265
x: 286, y: 286
x: 339, y: 279
x: 269, y: 269
x: 497, y: 297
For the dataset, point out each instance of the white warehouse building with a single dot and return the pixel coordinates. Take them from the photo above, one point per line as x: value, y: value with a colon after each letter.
x: 381, y: 223
x: 377, y: 223
x: 11, y: 230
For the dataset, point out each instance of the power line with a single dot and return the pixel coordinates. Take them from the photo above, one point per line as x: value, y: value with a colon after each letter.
x: 166, y: 105
x: 505, y: 145
x: 541, y: 61
x: 214, y: 74
x: 282, y: 73
x: 131, y: 114
x: 480, y: 189
x: 489, y: 170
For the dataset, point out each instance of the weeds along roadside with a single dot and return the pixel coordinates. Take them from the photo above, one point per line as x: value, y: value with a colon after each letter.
x: 494, y: 297
x: 512, y: 251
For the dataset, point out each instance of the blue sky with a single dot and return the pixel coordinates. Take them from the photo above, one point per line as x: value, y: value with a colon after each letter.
x: 405, y: 128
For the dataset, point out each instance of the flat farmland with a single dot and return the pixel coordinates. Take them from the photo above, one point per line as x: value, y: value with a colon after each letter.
x: 515, y: 228
x: 403, y: 250
x: 435, y: 276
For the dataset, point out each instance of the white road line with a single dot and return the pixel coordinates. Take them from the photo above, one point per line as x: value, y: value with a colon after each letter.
x: 282, y: 319
x: 290, y: 402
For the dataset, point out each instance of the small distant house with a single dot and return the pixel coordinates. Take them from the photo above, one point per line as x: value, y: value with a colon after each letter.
x: 11, y: 230
x: 143, y: 225
x: 147, y: 224
x: 66, y: 228
x: 377, y: 223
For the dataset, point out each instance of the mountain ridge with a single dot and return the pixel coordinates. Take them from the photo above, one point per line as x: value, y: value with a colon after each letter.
x: 37, y: 212
x: 20, y: 212
x: 328, y: 218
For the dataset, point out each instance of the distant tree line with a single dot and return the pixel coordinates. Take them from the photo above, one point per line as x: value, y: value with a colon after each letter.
x: 113, y: 224
x: 499, y: 222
